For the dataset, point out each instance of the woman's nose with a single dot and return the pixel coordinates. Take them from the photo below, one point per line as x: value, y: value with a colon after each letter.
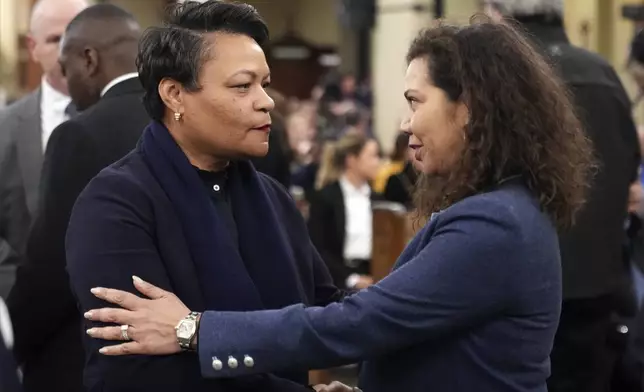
x: 265, y: 103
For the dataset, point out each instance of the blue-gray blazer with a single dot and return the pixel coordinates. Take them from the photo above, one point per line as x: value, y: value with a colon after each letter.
x: 472, y: 305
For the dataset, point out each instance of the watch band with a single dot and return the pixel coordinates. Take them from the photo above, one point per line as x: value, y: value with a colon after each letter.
x: 185, y: 343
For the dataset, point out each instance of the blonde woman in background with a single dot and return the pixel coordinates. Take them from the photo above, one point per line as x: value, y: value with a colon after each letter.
x: 340, y: 216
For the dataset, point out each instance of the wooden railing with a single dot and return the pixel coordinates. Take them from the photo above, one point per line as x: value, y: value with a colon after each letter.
x: 392, y: 230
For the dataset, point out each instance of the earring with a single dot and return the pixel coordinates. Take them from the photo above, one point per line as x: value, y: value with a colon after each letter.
x: 177, y: 116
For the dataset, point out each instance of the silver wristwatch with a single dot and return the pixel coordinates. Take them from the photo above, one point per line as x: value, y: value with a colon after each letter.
x: 186, y: 330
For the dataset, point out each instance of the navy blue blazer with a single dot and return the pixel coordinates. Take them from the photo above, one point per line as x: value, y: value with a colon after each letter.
x: 472, y: 305
x: 123, y: 224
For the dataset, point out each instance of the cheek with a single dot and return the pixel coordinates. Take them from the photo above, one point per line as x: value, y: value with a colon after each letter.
x: 421, y: 126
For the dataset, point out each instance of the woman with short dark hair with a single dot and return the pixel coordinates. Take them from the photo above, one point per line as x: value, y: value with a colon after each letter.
x: 187, y: 210
x: 473, y: 302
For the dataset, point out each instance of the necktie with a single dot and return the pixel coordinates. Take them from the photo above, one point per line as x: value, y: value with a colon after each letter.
x: 70, y: 110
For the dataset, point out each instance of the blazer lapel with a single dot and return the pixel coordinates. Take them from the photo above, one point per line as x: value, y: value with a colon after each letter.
x: 28, y: 136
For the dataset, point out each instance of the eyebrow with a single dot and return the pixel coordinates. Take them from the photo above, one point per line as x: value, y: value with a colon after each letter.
x: 253, y: 74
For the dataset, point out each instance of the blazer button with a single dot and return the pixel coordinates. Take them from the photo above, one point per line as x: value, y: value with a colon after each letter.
x: 248, y: 361
x: 232, y: 362
x: 217, y: 364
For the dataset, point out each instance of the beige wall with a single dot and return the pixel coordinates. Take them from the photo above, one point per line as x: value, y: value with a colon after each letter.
x: 313, y: 20
x: 8, y: 44
x: 460, y: 11
x: 394, y: 31
x: 147, y: 12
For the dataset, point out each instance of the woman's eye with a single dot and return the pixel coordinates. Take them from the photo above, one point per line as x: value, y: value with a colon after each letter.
x: 245, y: 86
x: 266, y: 85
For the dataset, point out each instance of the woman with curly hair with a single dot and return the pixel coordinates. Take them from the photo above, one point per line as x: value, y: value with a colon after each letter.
x: 473, y: 302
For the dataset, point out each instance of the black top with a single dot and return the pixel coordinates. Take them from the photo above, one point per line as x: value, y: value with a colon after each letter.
x: 591, y: 252
x: 215, y: 185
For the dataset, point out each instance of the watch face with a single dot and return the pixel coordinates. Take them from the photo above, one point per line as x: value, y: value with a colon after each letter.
x: 186, y: 329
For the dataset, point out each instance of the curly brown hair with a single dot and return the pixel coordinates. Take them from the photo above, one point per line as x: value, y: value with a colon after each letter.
x: 521, y: 119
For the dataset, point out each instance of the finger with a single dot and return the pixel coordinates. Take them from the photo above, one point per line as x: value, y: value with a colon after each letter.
x: 337, y: 386
x: 319, y: 387
x: 118, y: 297
x: 149, y: 290
x: 111, y: 315
x: 111, y: 333
x: 123, y: 349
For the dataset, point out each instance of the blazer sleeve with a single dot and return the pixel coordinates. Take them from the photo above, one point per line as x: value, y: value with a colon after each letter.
x: 69, y: 164
x: 465, y: 274
x: 322, y: 231
x: 110, y: 239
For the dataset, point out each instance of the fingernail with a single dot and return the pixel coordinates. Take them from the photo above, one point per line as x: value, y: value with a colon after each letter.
x: 96, y: 290
x: 103, y: 350
x: 90, y: 331
x: 88, y: 315
x: 136, y: 279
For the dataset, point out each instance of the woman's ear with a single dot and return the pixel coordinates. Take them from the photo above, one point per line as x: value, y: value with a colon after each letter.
x: 462, y: 114
x: 171, y: 93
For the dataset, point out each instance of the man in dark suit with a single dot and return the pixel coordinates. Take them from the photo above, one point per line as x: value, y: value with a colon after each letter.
x: 25, y: 128
x: 98, y: 59
x: 595, y: 277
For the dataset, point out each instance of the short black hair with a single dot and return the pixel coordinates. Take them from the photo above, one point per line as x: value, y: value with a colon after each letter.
x: 177, y: 50
x: 99, y: 12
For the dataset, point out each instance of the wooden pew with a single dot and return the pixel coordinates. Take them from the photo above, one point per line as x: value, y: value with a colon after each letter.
x: 392, y: 230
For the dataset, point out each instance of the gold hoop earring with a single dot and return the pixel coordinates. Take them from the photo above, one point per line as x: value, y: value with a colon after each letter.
x: 177, y: 116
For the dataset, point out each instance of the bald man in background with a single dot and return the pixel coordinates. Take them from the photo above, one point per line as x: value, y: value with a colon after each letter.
x: 25, y: 128
x: 98, y: 53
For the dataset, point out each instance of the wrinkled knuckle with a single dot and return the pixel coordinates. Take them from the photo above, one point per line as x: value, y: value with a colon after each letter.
x: 119, y: 299
x: 109, y: 317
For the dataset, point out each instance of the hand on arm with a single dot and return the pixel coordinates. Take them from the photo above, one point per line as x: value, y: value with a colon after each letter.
x: 110, y: 240
x: 152, y: 321
x: 444, y: 288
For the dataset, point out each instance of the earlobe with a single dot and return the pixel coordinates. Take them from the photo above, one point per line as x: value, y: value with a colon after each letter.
x: 463, y: 115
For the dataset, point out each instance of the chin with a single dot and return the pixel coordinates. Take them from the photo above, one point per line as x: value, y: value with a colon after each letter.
x: 257, y: 153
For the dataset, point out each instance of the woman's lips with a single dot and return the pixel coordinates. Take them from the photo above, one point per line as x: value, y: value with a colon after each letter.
x: 417, y: 151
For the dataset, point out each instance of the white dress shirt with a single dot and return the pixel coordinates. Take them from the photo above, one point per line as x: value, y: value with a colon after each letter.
x: 358, y: 220
x: 52, y: 110
x: 118, y: 80
x: 358, y: 223
x: 6, y: 331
